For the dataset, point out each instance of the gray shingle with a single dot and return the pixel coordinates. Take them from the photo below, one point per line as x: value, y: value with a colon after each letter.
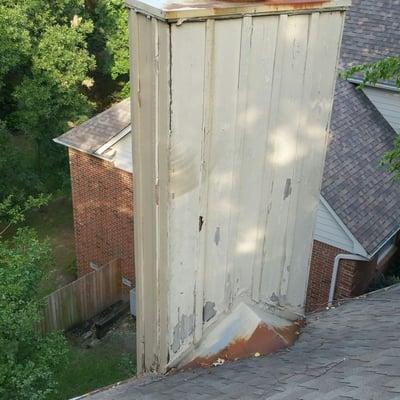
x: 98, y: 130
x: 326, y: 363
x: 360, y: 191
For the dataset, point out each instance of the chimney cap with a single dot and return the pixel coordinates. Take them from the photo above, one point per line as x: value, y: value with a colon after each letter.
x: 175, y: 10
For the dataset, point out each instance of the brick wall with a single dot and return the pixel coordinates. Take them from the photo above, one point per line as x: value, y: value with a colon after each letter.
x: 321, y: 267
x: 103, y: 213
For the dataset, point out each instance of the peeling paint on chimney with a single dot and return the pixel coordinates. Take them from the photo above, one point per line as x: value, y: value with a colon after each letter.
x: 217, y: 236
x: 288, y: 189
x: 182, y: 330
x: 209, y: 311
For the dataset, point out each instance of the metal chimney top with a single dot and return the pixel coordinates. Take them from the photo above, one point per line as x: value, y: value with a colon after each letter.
x: 173, y: 10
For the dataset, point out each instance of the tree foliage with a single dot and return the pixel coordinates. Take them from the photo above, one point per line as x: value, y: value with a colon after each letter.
x: 17, y: 178
x: 109, y: 42
x: 71, y: 61
x: 387, y: 69
x: 13, y: 209
x: 60, y: 61
x: 28, y: 360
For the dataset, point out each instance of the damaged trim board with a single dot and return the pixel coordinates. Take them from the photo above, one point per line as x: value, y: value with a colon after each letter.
x: 230, y: 120
x: 200, y: 9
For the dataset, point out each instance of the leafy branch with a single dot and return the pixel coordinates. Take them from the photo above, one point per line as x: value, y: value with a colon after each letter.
x: 387, y: 69
x: 14, y: 213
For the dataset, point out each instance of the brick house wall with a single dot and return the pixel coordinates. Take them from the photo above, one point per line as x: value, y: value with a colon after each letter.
x: 102, y: 197
x: 352, y: 280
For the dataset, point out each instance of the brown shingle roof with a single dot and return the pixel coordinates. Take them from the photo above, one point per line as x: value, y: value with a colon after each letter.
x: 97, y: 131
x: 361, y: 192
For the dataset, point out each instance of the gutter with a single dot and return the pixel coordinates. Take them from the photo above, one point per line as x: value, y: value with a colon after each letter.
x: 378, y: 249
x: 335, y: 271
x: 378, y: 85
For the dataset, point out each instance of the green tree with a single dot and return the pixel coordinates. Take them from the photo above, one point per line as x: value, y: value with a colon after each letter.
x: 29, y: 361
x: 17, y: 177
x: 71, y: 60
x: 13, y: 209
x: 51, y: 98
x: 387, y: 69
x: 13, y: 22
x: 46, y: 81
x: 110, y: 44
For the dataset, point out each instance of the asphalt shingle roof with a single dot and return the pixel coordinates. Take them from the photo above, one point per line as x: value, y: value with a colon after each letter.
x: 371, y: 32
x: 359, y: 190
x: 348, y: 353
x: 98, y: 130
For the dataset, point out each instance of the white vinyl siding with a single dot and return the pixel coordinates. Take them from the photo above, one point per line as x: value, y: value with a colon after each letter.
x: 388, y: 104
x: 328, y: 230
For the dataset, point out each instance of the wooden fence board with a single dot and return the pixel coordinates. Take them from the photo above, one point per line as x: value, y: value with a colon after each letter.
x: 82, y: 299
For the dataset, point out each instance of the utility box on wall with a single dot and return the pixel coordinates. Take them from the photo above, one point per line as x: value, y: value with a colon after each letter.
x: 231, y: 105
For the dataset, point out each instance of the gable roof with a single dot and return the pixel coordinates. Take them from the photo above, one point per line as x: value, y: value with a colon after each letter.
x: 360, y: 191
x: 94, y: 133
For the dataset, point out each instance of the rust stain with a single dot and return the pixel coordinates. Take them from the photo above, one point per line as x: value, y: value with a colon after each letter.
x: 264, y: 340
x: 220, y: 6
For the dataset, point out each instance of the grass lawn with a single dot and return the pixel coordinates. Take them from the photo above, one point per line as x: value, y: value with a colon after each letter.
x: 55, y: 222
x: 109, y: 361
x: 90, y: 369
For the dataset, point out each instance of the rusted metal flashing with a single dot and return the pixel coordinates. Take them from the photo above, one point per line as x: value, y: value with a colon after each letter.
x: 264, y: 340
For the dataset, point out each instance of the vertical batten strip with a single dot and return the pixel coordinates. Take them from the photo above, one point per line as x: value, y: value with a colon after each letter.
x: 157, y: 282
x: 259, y: 83
x: 268, y: 181
x: 163, y: 129
x: 222, y: 149
x: 297, y: 204
x: 327, y: 38
x: 187, y: 77
x: 266, y: 33
x: 143, y: 109
x: 137, y: 160
x: 208, y: 105
x: 301, y: 69
x: 240, y: 130
x: 282, y: 159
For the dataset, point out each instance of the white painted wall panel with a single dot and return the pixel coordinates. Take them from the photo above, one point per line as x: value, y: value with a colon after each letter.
x: 247, y: 152
x: 187, y: 69
x: 248, y: 118
x: 328, y: 231
x: 324, y: 35
x: 387, y: 103
x: 223, y: 104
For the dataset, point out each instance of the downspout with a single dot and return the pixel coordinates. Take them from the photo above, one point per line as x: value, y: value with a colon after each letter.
x: 335, y: 271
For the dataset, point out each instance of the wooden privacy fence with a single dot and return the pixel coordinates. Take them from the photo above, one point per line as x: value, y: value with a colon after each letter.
x: 82, y: 299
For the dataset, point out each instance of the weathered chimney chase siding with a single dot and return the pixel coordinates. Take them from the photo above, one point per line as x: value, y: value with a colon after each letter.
x: 230, y: 120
